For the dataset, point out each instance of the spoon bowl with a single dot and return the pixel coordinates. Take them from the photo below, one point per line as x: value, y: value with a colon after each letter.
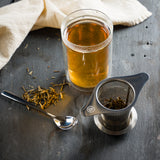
x: 66, y: 124
x: 62, y: 122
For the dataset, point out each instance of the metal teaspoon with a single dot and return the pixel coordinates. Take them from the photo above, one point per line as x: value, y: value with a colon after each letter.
x: 62, y: 122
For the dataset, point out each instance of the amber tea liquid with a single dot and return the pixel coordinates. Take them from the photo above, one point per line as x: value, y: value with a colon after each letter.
x: 86, y: 67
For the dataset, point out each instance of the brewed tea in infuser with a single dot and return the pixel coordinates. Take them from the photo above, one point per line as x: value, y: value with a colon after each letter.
x: 112, y: 103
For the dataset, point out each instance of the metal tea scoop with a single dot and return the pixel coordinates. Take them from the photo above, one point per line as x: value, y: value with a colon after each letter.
x: 64, y: 123
x: 115, y: 121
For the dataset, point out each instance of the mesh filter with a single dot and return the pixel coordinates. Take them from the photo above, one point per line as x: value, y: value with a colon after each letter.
x: 116, y: 88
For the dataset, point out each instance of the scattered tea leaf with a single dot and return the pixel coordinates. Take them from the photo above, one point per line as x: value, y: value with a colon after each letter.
x: 26, y: 46
x: 56, y: 71
x: 61, y: 95
x: 30, y: 73
x: 28, y: 107
x: 24, y: 89
x: 34, y: 77
x: 30, y: 86
x: 27, y: 70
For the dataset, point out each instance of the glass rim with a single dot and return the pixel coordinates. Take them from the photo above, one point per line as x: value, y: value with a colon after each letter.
x: 68, y: 20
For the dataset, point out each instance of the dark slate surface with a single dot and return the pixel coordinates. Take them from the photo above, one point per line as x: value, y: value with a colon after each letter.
x: 5, y: 2
x: 28, y: 135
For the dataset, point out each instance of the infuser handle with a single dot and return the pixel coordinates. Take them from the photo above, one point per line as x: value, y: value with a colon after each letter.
x: 92, y: 107
x: 88, y: 107
x: 137, y: 81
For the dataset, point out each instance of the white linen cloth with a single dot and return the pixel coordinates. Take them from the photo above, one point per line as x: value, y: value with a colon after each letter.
x: 18, y: 19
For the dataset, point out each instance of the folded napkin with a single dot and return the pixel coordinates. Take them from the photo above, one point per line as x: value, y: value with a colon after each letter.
x: 18, y: 19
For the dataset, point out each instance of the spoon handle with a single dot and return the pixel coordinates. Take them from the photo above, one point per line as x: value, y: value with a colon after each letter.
x: 24, y: 102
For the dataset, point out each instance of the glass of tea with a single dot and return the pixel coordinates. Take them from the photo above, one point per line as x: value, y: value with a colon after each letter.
x: 86, y: 37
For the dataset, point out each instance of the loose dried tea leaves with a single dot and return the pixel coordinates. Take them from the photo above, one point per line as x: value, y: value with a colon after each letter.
x: 26, y: 46
x: 31, y: 86
x: 44, y: 97
x: 29, y: 72
x: 56, y: 71
x: 117, y: 103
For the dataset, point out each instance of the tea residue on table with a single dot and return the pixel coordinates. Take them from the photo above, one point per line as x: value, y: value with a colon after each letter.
x: 44, y: 97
